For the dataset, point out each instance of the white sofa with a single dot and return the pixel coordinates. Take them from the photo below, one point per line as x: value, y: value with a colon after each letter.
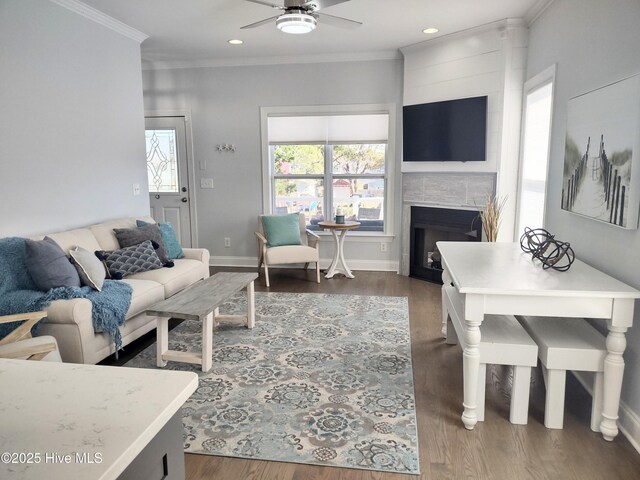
x: 69, y: 321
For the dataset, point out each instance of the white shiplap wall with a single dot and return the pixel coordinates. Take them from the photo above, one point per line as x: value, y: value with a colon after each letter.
x: 488, y: 60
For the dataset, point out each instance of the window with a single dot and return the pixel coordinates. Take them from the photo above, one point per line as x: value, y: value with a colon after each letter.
x: 319, y: 163
x: 536, y: 131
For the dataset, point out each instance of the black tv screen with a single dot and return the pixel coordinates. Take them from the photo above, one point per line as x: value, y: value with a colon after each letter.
x: 450, y: 131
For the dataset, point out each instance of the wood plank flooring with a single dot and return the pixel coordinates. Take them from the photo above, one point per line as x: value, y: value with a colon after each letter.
x: 494, y: 450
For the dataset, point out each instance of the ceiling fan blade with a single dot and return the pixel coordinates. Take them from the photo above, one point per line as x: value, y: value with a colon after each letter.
x: 260, y: 23
x: 320, y: 4
x: 337, y: 21
x: 279, y: 7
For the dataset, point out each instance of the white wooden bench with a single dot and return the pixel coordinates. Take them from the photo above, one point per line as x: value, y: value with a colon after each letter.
x: 504, y: 342
x: 567, y: 344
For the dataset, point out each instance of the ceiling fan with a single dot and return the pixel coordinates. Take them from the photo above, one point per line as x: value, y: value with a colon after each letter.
x: 301, y: 16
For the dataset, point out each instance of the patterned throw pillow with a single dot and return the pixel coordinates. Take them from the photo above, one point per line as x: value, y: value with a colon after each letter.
x: 129, y: 260
x: 128, y: 237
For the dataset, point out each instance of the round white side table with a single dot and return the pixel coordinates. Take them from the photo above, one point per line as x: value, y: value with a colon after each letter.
x: 338, y: 256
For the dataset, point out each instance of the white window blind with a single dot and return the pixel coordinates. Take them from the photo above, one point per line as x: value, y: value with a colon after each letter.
x: 369, y: 128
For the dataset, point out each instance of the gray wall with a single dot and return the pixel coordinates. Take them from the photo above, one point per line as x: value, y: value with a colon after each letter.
x: 593, y: 43
x: 72, y: 128
x: 225, y: 106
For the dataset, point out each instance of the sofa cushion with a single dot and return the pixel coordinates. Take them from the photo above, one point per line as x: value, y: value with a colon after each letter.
x: 103, y: 232
x: 82, y: 237
x: 145, y: 294
x: 48, y: 265
x: 174, y: 249
x: 128, y: 237
x: 91, y: 270
x: 291, y: 254
x: 129, y: 260
x: 184, y: 273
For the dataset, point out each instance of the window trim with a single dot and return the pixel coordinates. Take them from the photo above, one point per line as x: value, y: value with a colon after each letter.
x: 545, y: 77
x: 324, y: 110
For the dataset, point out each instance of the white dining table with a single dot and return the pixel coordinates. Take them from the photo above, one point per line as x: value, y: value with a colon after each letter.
x: 498, y: 278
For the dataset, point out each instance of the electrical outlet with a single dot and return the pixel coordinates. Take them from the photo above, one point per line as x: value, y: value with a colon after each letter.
x: 227, y: 242
x: 206, y: 183
x: 136, y: 189
x: 383, y: 247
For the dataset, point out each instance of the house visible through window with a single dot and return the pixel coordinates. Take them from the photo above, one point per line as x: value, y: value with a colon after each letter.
x: 322, y: 163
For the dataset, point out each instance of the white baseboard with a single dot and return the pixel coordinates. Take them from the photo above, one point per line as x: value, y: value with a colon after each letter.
x: 366, y: 265
x: 628, y: 420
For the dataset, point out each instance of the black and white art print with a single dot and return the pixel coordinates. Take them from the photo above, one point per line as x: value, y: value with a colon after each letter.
x: 601, y: 178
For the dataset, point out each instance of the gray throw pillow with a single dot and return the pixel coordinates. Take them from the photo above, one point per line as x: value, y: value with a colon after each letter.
x: 129, y: 260
x: 90, y: 269
x: 128, y: 237
x: 48, y: 265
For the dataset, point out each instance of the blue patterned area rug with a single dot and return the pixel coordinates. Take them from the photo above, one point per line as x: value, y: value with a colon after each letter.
x: 321, y: 379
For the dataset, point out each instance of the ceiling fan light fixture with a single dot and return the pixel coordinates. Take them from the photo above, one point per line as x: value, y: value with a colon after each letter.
x: 296, y: 23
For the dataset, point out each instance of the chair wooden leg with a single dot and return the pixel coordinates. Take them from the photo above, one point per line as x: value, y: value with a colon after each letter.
x: 260, y: 263
x: 306, y: 266
x: 318, y: 272
x: 266, y: 273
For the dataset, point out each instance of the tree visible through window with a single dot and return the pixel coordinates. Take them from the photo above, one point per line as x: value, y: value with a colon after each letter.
x: 355, y: 172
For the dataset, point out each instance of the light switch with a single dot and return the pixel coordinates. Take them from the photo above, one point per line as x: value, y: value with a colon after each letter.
x: 206, y: 183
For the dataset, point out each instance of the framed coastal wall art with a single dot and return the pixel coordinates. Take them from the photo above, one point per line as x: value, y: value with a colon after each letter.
x: 601, y: 178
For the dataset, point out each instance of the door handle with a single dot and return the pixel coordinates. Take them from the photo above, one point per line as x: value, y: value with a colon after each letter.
x: 184, y: 199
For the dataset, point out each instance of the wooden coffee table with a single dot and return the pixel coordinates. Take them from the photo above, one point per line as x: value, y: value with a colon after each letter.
x: 200, y: 302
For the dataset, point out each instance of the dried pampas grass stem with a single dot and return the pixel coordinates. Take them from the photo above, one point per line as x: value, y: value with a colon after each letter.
x: 491, y: 217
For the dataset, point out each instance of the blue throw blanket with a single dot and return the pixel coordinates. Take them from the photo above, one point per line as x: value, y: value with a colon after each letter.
x: 18, y: 293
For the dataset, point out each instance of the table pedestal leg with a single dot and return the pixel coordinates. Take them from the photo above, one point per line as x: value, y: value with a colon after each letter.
x: 338, y: 257
x: 613, y: 373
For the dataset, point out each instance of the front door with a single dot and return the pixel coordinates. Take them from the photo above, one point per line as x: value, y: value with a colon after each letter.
x: 167, y: 169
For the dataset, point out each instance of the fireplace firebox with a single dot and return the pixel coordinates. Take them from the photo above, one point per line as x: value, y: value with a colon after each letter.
x: 430, y: 225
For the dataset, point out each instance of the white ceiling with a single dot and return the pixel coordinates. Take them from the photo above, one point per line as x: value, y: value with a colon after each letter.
x: 195, y: 32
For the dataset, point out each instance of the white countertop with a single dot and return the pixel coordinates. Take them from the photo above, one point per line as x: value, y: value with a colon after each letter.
x: 56, y: 409
x: 503, y: 268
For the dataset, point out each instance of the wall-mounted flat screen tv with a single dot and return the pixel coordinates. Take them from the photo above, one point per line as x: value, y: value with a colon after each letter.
x: 449, y: 131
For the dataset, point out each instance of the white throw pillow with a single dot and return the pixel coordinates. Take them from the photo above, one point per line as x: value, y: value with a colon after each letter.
x: 91, y: 270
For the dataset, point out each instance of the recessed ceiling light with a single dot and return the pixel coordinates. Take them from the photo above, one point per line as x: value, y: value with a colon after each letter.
x: 430, y: 30
x: 235, y: 41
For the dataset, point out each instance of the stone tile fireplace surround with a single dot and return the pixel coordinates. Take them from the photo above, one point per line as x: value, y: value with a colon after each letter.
x: 456, y: 191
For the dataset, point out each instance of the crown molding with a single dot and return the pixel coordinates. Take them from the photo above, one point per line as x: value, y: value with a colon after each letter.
x: 536, y: 10
x: 274, y: 60
x: 103, y: 19
x: 500, y: 26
